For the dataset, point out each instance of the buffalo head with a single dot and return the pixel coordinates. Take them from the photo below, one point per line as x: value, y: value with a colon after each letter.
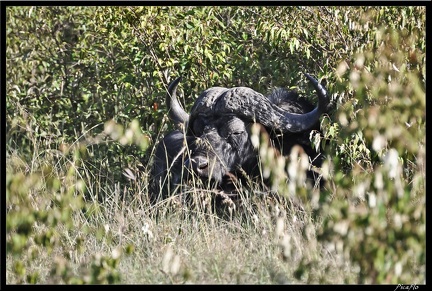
x: 215, y: 143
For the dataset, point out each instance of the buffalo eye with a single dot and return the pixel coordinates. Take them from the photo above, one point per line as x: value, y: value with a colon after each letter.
x: 236, y: 133
x: 197, y: 128
x: 234, y: 138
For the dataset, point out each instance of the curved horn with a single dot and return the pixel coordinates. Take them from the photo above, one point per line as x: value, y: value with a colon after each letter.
x: 253, y: 105
x: 323, y: 99
x: 176, y: 111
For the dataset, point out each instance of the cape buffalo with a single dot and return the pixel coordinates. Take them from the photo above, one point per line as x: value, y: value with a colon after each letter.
x: 215, y: 145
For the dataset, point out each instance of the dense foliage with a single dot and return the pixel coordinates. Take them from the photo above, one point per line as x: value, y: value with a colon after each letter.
x: 85, y: 104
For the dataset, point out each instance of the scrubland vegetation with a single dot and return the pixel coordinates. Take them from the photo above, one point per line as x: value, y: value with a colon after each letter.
x: 85, y: 106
